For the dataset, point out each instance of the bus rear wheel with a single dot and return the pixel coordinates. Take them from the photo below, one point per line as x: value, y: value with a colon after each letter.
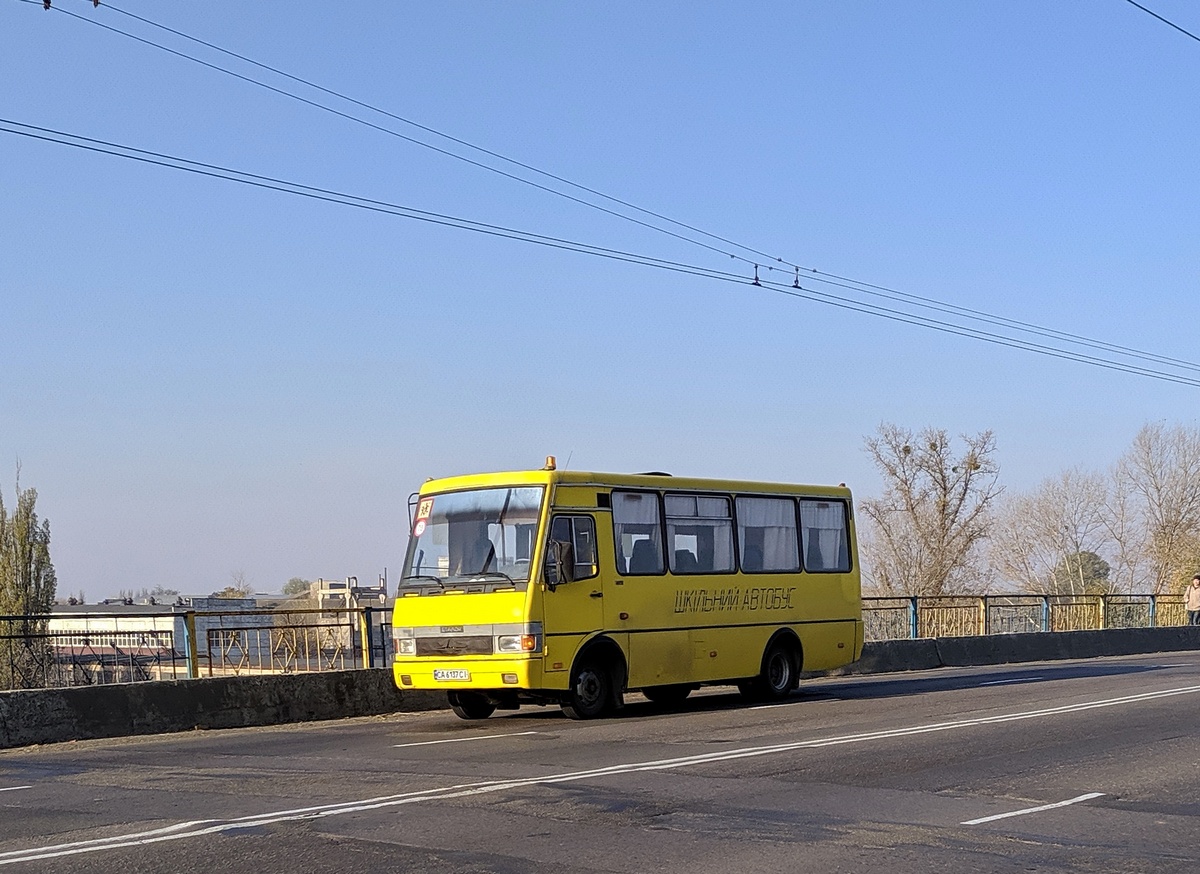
x: 591, y: 692
x: 470, y: 705
x: 780, y: 674
x: 668, y: 696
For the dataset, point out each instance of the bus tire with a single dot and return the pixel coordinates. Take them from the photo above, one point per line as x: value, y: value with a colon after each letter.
x: 780, y: 675
x: 470, y: 705
x: 591, y: 692
x: 668, y: 696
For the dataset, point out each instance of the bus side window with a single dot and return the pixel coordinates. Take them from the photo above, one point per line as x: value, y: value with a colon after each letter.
x: 767, y: 534
x: 571, y: 550
x: 637, y: 532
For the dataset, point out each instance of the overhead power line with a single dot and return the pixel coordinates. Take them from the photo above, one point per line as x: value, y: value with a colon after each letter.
x: 684, y: 232
x: 1154, y: 14
x: 795, y: 290
x: 418, y: 142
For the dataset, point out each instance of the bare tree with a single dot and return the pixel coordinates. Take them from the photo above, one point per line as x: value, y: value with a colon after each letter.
x: 924, y: 533
x: 1131, y: 570
x: 239, y: 588
x: 1160, y: 475
x: 1042, y: 539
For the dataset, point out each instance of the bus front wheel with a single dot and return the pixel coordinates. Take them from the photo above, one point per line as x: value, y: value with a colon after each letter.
x: 779, y: 677
x: 591, y: 690
x: 470, y: 705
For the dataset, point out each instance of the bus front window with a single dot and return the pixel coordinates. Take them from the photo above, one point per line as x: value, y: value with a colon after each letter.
x: 480, y: 533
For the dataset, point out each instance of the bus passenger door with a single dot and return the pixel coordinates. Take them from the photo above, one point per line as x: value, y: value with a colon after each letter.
x: 573, y: 600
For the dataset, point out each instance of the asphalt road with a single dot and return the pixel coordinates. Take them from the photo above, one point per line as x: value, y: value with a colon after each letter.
x: 1063, y: 766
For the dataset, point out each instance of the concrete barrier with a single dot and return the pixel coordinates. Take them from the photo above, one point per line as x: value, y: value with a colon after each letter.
x: 885, y: 656
x: 120, y: 710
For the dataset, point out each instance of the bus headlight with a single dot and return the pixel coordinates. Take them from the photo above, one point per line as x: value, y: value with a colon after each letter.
x: 403, y: 642
x: 519, y: 643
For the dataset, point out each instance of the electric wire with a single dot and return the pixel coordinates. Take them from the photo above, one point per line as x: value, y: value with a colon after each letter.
x: 999, y: 321
x: 386, y: 130
x: 815, y: 275
x: 458, y: 141
x: 1154, y: 14
x: 795, y: 290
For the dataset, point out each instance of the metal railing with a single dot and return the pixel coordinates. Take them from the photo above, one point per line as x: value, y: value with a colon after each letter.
x: 87, y: 649
x: 972, y: 615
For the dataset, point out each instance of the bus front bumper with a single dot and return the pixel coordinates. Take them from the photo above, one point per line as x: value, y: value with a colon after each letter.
x: 450, y: 675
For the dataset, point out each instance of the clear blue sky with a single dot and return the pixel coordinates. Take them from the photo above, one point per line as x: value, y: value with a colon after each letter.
x: 203, y: 378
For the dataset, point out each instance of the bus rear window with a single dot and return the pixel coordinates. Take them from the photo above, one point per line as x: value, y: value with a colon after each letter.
x: 824, y: 535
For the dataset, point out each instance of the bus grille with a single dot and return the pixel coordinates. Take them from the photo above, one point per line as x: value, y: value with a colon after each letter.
x: 452, y: 646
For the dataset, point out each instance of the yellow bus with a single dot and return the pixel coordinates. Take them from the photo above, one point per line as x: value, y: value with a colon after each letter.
x: 572, y: 588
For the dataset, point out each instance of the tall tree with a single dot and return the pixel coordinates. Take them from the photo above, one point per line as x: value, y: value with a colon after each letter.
x: 926, y: 529
x: 1160, y: 474
x: 27, y: 579
x: 27, y: 586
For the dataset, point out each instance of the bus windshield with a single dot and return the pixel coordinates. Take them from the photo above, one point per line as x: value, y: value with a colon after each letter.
x: 484, y: 533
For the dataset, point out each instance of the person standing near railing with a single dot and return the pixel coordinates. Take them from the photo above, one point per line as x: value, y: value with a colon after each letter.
x: 1192, y: 601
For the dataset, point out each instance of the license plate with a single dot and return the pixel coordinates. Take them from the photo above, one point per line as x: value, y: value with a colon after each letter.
x: 452, y: 674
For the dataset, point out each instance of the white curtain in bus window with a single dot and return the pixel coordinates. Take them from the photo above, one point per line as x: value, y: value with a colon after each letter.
x: 637, y: 532
x: 767, y: 534
x: 699, y: 534
x: 823, y: 533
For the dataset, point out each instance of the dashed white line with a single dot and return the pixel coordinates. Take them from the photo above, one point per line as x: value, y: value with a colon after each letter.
x: 456, y: 740
x: 211, y: 826
x: 13, y: 788
x: 1088, y: 797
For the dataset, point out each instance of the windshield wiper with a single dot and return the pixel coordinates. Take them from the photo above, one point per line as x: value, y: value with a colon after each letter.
x: 437, y: 580
x: 495, y: 574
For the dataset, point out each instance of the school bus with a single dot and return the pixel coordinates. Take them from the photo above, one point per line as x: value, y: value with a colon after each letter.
x: 572, y: 588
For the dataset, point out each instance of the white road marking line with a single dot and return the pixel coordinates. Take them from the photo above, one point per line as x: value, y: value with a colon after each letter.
x: 455, y: 740
x: 206, y: 827
x: 1015, y: 680
x: 1088, y: 797
x: 14, y: 788
x: 773, y: 706
x: 127, y: 840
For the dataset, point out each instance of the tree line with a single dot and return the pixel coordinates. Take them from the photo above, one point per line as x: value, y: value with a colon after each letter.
x: 946, y: 525
x: 943, y: 525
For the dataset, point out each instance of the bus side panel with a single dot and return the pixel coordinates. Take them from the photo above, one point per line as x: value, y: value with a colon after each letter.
x: 829, y: 644
x: 660, y: 658
x: 724, y: 653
